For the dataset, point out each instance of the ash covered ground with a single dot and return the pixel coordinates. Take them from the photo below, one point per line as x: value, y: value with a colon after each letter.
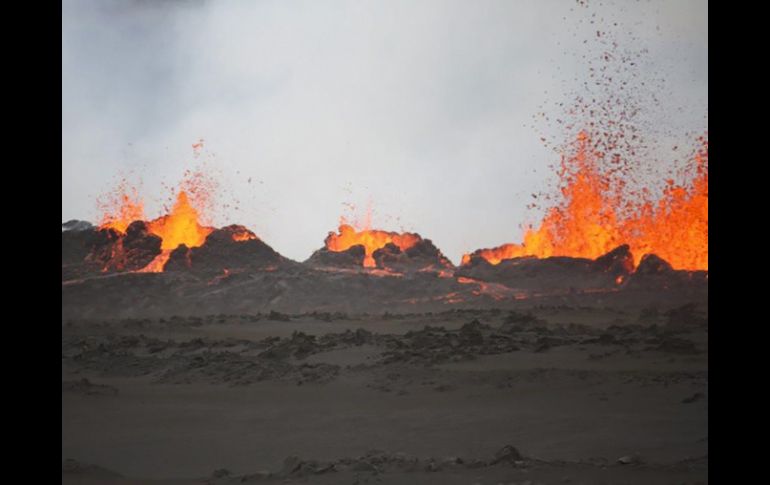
x: 237, y: 365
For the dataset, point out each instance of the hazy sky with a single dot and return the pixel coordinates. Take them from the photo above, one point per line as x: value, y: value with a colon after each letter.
x: 422, y: 108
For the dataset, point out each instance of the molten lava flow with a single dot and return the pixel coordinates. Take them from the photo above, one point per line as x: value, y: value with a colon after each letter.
x: 157, y: 264
x: 593, y: 218
x: 180, y: 226
x: 370, y: 239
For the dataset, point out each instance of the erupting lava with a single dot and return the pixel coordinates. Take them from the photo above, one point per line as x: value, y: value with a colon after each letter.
x: 121, y: 208
x: 180, y: 226
x: 594, y: 216
x: 370, y: 239
x: 605, y: 195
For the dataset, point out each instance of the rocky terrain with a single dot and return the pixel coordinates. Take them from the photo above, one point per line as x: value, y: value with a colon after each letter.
x: 550, y: 394
x: 226, y: 275
x: 238, y: 365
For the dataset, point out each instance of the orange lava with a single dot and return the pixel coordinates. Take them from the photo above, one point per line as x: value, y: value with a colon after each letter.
x: 676, y: 229
x: 182, y: 224
x: 243, y: 235
x: 592, y: 218
x: 370, y: 239
x: 120, y: 208
x: 157, y: 264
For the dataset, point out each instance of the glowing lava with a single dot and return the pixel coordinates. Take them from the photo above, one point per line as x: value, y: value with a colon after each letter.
x: 676, y: 229
x: 180, y: 226
x: 121, y: 208
x: 593, y: 217
x: 370, y: 239
x: 242, y: 234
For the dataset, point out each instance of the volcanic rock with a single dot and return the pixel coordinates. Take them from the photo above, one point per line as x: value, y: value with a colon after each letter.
x: 471, y: 333
x: 388, y: 253
x: 654, y: 272
x: 629, y: 460
x: 653, y: 264
x: 675, y: 345
x: 299, y: 346
x: 223, y: 250
x: 179, y: 259
x: 233, y: 271
x: 475, y: 259
x: 554, y: 273
x: 507, y: 454
x: 290, y: 465
x: 686, y: 316
x: 88, y: 251
x: 618, y: 262
x: 695, y: 397
x: 353, y: 257
x: 76, y: 242
x: 86, y: 387
x: 76, y: 226
x: 286, y: 287
x: 360, y: 337
x: 139, y: 246
x: 422, y: 256
x: 517, y: 322
x: 131, y: 251
x: 103, y: 245
x: 74, y: 467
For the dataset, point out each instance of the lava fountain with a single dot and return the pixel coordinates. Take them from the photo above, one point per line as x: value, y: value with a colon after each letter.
x: 592, y: 216
x: 181, y: 225
x: 120, y: 207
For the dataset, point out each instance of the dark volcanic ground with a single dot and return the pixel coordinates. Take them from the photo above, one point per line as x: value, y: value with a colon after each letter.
x: 237, y: 365
x: 100, y: 279
x: 421, y: 398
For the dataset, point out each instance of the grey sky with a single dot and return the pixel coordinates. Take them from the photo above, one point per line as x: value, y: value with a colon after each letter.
x: 421, y: 107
